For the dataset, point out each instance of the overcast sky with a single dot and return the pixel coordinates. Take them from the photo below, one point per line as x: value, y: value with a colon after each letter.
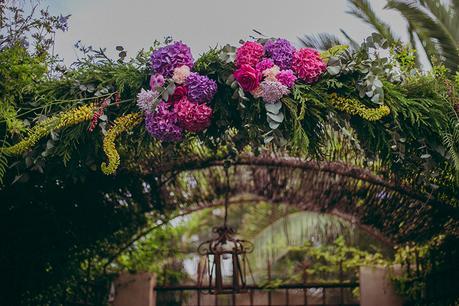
x: 134, y: 24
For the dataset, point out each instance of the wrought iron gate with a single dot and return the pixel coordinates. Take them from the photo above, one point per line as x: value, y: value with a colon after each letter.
x: 319, y: 294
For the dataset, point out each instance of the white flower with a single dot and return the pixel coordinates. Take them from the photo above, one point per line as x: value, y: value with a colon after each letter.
x: 180, y: 74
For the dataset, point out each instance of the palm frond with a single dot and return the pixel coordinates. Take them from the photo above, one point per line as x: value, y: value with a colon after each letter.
x: 296, y: 229
x: 363, y: 10
x: 353, y: 44
x: 454, y: 10
x: 412, y: 35
x: 320, y: 41
x: 429, y: 29
x: 441, y: 13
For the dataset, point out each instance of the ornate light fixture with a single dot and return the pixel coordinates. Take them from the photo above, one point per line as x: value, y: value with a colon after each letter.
x: 226, y: 257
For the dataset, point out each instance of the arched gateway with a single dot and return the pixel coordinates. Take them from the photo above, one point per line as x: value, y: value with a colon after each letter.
x: 345, y: 132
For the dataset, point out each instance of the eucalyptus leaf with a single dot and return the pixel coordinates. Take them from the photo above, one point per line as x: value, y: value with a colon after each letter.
x: 333, y: 70
x: 276, y: 117
x: 273, y: 108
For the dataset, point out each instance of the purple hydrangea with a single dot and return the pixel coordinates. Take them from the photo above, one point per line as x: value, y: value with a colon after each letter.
x: 201, y: 89
x: 281, y: 52
x: 164, y: 60
x: 163, y: 123
x: 264, y: 64
x: 286, y: 77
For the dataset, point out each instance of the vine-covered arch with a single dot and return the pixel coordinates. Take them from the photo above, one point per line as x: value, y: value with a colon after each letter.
x: 344, y: 190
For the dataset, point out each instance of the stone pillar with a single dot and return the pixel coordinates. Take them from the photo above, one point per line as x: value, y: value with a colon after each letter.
x: 376, y: 287
x: 135, y: 289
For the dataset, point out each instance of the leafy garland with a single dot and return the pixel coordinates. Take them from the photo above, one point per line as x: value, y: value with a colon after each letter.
x: 268, y: 92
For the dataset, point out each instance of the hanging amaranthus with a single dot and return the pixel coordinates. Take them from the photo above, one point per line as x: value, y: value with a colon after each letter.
x: 355, y: 107
x: 43, y: 128
x: 121, y: 124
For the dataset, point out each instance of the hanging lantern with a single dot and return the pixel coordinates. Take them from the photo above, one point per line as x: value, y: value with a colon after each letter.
x: 226, y: 258
x: 227, y: 264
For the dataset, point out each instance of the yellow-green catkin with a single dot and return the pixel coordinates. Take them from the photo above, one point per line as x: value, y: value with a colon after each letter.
x: 43, y: 128
x: 355, y: 107
x: 121, y: 124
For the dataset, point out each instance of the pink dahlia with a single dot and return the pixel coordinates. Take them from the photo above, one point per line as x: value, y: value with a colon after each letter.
x: 286, y: 77
x: 193, y: 117
x: 249, y: 53
x: 308, y: 64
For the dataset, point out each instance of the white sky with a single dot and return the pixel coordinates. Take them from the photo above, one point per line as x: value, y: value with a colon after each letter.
x: 134, y: 24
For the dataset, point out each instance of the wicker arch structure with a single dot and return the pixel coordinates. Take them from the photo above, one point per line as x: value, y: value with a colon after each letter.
x: 391, y: 212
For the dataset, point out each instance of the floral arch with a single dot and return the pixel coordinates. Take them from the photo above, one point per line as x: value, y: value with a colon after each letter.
x: 346, y: 130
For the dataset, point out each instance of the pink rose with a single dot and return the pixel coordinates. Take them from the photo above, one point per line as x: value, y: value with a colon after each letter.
x: 179, y: 93
x: 247, y: 77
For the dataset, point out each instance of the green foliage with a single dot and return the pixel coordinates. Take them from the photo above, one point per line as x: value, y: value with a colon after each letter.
x: 328, y: 258
x: 429, y: 272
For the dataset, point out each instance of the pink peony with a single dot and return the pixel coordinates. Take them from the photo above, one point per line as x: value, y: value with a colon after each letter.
x: 308, y: 64
x: 247, y: 77
x: 249, y: 53
x: 193, y: 117
x: 286, y: 77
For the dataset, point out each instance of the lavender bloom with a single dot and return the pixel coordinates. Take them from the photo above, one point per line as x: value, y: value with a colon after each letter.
x: 163, y: 123
x: 281, y: 52
x: 272, y: 91
x: 164, y: 60
x: 146, y: 99
x: 201, y: 89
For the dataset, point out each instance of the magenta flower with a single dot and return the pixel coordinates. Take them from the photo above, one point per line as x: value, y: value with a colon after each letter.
x: 286, y: 77
x: 308, y: 65
x: 247, y: 77
x: 249, y: 53
x: 193, y: 117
